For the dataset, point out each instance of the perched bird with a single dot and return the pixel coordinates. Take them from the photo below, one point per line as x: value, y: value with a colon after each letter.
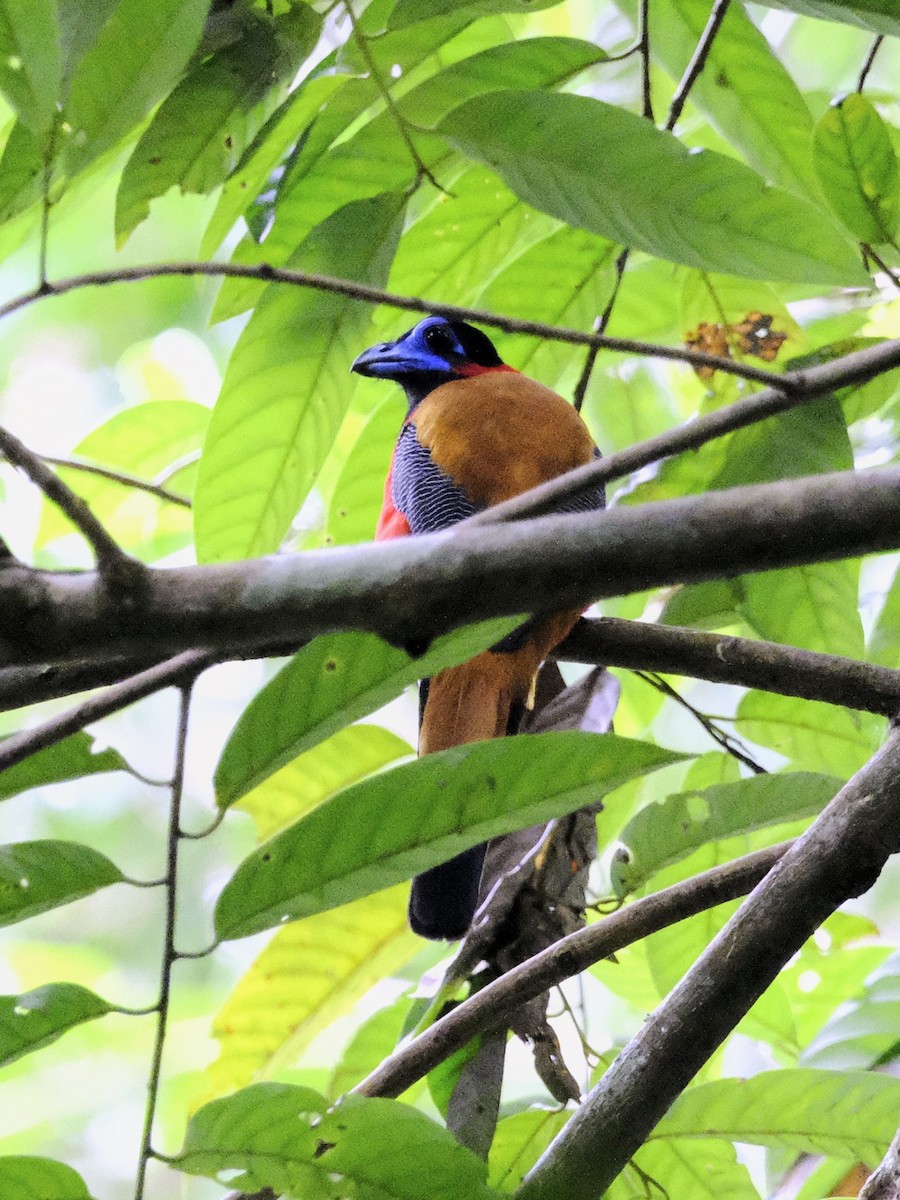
x: 477, y: 432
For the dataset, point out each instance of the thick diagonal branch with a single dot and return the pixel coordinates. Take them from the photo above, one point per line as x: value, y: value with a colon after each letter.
x: 840, y: 856
x: 416, y: 588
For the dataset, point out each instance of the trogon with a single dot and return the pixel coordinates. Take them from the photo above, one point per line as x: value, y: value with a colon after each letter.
x: 477, y: 432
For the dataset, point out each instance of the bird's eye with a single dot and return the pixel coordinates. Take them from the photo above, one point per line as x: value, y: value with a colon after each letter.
x: 437, y: 338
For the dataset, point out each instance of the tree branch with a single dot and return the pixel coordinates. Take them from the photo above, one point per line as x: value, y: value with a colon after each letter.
x: 698, y: 61
x: 491, y: 1007
x: 840, y: 856
x: 122, y: 477
x: 720, y: 658
x: 416, y: 588
x: 266, y: 273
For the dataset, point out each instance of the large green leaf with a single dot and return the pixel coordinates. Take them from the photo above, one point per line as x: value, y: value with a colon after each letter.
x: 588, y: 163
x: 857, y: 168
x: 71, y: 758
x: 27, y: 1177
x: 31, y: 60
x: 812, y: 736
x: 311, y: 973
x: 199, y: 133
x: 35, y: 1019
x: 37, y: 876
x: 406, y: 819
x: 411, y: 12
x: 699, y: 1169
x: 743, y: 89
x: 519, y: 1142
x: 329, y: 683
x: 852, y: 1113
x: 133, y: 62
x: 276, y: 1136
x: 878, y: 15
x: 358, y: 493
x: 864, y: 1031
x: 665, y: 833
x: 287, y: 387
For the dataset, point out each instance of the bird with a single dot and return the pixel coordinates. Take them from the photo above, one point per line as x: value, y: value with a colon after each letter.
x: 476, y: 432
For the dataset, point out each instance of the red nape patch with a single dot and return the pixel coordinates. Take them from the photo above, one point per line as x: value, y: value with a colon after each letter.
x: 468, y: 369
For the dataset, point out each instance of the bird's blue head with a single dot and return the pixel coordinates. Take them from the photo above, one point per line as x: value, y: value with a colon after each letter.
x: 433, y: 352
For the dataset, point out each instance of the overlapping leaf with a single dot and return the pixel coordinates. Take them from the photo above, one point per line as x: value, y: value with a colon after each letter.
x: 37, y: 1018
x: 29, y: 1177
x: 31, y: 61
x: 857, y: 169
x: 71, y: 758
x: 37, y: 876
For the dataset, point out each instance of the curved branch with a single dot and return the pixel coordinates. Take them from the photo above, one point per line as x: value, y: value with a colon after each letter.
x: 490, y: 1008
x: 414, y: 589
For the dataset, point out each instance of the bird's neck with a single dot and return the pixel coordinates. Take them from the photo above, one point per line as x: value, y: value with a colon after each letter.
x: 419, y: 387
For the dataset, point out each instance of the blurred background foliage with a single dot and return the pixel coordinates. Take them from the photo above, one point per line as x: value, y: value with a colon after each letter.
x: 288, y: 133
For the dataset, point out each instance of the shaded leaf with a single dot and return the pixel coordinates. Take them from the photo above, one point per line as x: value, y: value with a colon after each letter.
x: 519, y: 1142
x: 329, y: 683
x: 665, y: 833
x: 878, y: 15
x: 345, y: 757
x: 71, y: 758
x: 26, y: 1177
x: 812, y: 736
x: 38, y: 876
x: 857, y: 168
x: 864, y: 1031
x: 200, y: 131
x: 414, y: 816
x: 309, y: 974
x: 287, y: 387
x: 586, y: 163
x: 266, y: 1132
x: 684, y: 1167
x: 852, y: 1113
x: 37, y: 1018
x: 370, y: 1046
x: 31, y: 61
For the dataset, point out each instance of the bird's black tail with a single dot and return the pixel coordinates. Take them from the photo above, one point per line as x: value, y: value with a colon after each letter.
x: 443, y: 899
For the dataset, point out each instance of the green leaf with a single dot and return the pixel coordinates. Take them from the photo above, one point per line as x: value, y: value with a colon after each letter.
x: 329, y: 683
x: 71, y: 758
x: 37, y: 1018
x: 878, y: 15
x: 357, y: 497
x: 864, y: 1031
x: 275, y: 1135
x: 31, y: 61
x: 134, y: 61
x: 519, y: 1142
x: 26, y: 1177
x: 414, y: 816
x: 411, y: 12
x: 812, y: 736
x: 21, y: 172
x: 587, y: 163
x: 37, y: 876
x: 287, y: 387
x: 201, y: 130
x: 375, y: 1039
x: 852, y: 1113
x: 310, y: 974
x: 143, y: 441
x: 857, y: 169
x: 884, y: 644
x: 346, y: 757
x: 668, y: 832
x: 700, y: 1170
x: 743, y: 90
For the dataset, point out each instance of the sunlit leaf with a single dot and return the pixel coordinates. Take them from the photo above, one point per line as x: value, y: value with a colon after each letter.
x: 199, y: 133
x: 519, y: 1142
x: 814, y: 1112
x: 375, y: 1039
x: 664, y: 833
x: 71, y: 758
x: 31, y: 60
x: 287, y: 387
x: 329, y: 683
x: 864, y: 1031
x: 266, y: 1132
x: 698, y: 1169
x: 857, y: 168
x: 410, y: 12
x: 404, y: 820
x: 878, y: 15
x: 811, y: 735
x: 35, y: 1019
x: 37, y: 876
x: 586, y: 163
x: 24, y: 1177
x: 357, y: 497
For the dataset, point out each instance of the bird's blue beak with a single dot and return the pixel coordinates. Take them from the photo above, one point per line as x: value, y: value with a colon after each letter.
x: 385, y: 360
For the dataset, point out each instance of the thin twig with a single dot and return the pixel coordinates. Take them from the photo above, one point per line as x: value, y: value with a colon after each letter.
x: 870, y: 59
x: 169, y: 953
x: 266, y: 273
x: 122, y: 477
x: 644, y: 44
x: 172, y: 672
x: 111, y: 559
x: 422, y: 168
x: 600, y: 327
x: 881, y: 264
x: 491, y: 1008
x: 728, y: 743
x: 697, y: 63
